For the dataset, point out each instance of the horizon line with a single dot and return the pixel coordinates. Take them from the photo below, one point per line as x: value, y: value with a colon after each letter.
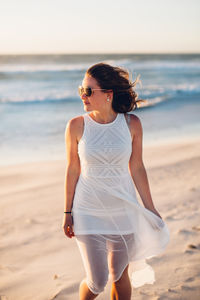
x: 103, y: 53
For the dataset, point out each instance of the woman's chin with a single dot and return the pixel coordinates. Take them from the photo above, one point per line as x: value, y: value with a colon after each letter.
x: 86, y: 108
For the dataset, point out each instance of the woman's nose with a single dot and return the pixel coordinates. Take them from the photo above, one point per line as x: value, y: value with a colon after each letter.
x: 83, y: 96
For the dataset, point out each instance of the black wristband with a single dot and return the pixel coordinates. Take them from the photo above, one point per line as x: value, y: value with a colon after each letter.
x: 67, y: 212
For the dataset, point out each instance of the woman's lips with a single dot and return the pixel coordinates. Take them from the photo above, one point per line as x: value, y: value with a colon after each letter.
x: 86, y: 103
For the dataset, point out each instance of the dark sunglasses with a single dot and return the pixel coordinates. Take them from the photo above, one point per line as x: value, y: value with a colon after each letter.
x: 87, y: 90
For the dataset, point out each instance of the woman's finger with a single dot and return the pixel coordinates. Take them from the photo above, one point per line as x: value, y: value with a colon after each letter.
x: 70, y: 231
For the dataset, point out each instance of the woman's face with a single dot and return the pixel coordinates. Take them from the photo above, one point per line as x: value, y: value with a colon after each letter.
x: 97, y: 100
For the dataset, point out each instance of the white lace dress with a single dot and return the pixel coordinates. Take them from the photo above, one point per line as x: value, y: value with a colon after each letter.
x: 106, y: 210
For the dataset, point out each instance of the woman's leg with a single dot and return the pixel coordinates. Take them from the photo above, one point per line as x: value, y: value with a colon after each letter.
x: 85, y: 293
x: 120, y: 248
x: 121, y: 289
x: 94, y: 255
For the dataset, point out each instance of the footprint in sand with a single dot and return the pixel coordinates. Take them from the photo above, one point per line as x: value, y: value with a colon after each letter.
x: 192, y: 248
x: 186, y: 232
x: 189, y: 279
x: 196, y: 228
x: 189, y: 251
x: 186, y: 288
x: 172, y: 291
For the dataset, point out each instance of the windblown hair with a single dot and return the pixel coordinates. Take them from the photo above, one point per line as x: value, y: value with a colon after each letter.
x: 117, y: 80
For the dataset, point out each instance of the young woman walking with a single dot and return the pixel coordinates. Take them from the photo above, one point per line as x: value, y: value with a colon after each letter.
x: 104, y: 165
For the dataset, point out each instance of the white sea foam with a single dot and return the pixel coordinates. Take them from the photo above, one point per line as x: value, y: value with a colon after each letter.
x: 132, y: 64
x: 9, y: 68
x: 36, y: 96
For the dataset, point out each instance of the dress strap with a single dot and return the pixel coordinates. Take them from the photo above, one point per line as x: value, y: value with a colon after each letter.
x: 127, y: 123
x: 127, y: 119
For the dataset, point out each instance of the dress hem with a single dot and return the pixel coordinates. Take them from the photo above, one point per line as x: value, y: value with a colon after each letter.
x: 102, y: 232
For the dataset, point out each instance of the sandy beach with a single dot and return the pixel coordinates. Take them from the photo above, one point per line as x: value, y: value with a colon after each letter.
x: 38, y: 262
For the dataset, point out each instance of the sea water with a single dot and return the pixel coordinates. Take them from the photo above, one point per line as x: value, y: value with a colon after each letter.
x: 38, y: 96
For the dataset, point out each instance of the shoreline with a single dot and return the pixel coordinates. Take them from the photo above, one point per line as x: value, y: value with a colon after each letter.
x: 149, y: 151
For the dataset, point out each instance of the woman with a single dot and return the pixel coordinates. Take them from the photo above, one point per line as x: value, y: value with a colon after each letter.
x: 104, y: 164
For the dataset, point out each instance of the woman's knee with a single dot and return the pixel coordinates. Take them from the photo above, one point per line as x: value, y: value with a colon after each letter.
x: 97, y: 284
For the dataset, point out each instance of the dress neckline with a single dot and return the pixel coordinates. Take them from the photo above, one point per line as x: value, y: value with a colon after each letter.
x: 104, y: 124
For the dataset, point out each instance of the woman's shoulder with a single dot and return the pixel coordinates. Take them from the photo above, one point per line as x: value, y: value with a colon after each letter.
x: 134, y: 124
x: 75, y: 126
x: 132, y: 118
x: 73, y: 122
x: 132, y: 115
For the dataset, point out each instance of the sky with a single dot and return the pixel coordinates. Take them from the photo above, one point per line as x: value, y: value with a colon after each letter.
x: 99, y: 26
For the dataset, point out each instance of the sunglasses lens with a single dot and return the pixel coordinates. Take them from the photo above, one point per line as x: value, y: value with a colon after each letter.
x: 87, y: 91
x: 80, y: 90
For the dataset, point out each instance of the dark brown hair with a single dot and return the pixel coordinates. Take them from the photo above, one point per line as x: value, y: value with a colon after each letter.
x: 117, y: 80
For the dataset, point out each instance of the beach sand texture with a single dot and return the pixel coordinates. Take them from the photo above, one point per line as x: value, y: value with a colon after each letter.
x: 38, y: 262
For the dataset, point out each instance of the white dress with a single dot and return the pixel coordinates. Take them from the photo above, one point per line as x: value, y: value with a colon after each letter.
x: 105, y: 206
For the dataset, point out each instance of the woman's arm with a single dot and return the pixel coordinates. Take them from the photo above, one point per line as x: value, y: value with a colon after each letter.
x: 72, y: 172
x: 136, y: 165
x: 73, y: 163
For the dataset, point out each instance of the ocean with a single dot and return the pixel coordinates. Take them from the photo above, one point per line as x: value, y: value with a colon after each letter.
x: 38, y: 95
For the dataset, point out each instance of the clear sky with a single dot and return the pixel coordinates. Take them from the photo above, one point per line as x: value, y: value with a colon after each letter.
x: 99, y: 26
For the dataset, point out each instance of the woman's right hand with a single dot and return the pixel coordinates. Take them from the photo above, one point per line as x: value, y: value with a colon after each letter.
x: 68, y: 225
